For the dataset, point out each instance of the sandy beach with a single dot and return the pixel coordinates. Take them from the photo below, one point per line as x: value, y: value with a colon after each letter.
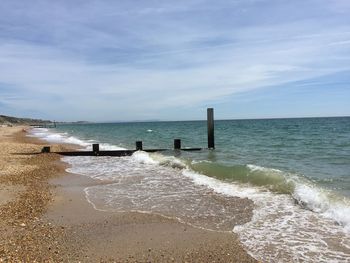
x: 46, y: 217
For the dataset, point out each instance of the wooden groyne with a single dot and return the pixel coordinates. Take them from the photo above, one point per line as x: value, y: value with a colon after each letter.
x: 97, y: 152
x: 44, y: 125
x: 139, y: 145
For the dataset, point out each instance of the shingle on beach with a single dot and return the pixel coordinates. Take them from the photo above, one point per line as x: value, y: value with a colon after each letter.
x: 45, y: 217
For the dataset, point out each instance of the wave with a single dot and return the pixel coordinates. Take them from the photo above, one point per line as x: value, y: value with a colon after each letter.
x: 55, y: 137
x: 281, y: 231
x: 273, y: 179
x: 325, y: 202
x: 65, y: 138
x: 304, y: 192
x: 307, y: 194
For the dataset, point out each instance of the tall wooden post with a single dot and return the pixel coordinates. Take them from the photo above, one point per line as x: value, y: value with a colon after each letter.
x: 210, y: 122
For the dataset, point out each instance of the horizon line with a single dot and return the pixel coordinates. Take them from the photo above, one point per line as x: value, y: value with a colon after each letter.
x: 150, y: 120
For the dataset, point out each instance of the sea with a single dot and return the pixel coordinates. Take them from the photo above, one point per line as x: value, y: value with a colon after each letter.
x: 296, y: 172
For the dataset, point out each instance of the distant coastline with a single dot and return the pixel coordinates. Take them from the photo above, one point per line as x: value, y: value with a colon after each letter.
x: 9, y: 120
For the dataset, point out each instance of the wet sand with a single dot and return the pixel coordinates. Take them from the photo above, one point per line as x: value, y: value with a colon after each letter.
x: 46, y: 217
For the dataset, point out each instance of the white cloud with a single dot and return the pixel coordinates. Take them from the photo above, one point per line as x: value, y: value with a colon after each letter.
x: 95, y: 69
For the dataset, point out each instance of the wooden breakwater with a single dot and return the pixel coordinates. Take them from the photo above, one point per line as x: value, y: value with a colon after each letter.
x: 139, y: 144
x: 44, y: 125
x: 97, y: 152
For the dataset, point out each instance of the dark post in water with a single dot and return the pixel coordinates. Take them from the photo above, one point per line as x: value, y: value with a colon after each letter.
x: 46, y: 149
x: 139, y: 146
x: 210, y: 122
x: 177, y: 144
x: 95, y: 147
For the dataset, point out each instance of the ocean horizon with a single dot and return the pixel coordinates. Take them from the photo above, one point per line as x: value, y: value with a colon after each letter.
x: 190, y: 120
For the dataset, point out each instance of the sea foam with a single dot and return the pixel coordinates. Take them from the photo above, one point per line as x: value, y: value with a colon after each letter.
x: 312, y: 197
x: 307, y: 224
x: 280, y: 230
x: 65, y: 138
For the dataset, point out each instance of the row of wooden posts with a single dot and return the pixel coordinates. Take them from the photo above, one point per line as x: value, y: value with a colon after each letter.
x: 45, y: 125
x: 139, y: 145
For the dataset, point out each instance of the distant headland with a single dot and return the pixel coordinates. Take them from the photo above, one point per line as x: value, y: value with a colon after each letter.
x: 9, y: 121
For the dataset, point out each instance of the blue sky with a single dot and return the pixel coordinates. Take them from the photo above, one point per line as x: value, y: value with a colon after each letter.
x: 169, y: 60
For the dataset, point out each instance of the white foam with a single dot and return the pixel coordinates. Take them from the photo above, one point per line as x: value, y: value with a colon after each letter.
x: 311, y: 198
x: 324, y: 202
x: 143, y: 157
x: 221, y: 187
x: 170, y: 161
x: 55, y: 137
x: 314, y: 198
x: 262, y: 169
x: 281, y: 231
x: 65, y: 138
x: 155, y: 158
x: 110, y: 147
x: 136, y: 183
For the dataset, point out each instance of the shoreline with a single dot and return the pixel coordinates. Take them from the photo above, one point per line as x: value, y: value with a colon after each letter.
x: 78, y: 232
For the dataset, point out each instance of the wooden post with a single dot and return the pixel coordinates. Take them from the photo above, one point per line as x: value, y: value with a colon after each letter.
x: 177, y: 144
x: 139, y: 146
x: 210, y: 122
x: 95, y: 147
x: 45, y: 149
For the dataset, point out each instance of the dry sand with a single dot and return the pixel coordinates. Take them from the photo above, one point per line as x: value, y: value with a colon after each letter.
x: 44, y: 216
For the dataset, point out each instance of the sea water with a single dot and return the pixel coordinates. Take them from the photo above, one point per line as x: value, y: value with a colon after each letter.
x: 296, y: 172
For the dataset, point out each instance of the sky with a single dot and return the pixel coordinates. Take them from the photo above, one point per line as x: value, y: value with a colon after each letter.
x: 114, y: 60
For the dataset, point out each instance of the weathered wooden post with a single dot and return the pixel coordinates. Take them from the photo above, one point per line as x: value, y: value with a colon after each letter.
x: 210, y: 122
x: 139, y: 146
x: 95, y: 148
x: 46, y: 149
x: 177, y: 144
